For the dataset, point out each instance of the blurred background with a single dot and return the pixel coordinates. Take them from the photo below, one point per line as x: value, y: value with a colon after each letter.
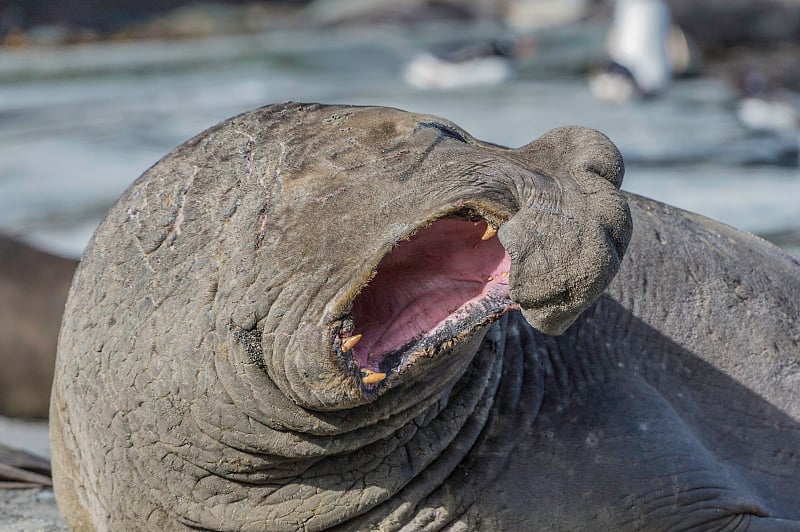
x: 701, y: 96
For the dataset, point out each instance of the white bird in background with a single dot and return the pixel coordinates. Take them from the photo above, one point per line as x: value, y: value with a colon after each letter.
x: 426, y: 71
x: 638, y: 52
x: 486, y: 63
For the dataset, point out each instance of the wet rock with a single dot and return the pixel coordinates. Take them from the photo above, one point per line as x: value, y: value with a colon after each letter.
x: 30, y: 509
x: 42, y: 23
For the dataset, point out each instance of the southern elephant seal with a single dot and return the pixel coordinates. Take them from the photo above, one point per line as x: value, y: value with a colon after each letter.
x: 317, y: 316
x: 33, y: 289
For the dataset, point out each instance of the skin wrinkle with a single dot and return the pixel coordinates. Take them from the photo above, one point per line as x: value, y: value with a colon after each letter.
x: 700, y: 525
x: 704, y: 525
x: 506, y: 412
x: 442, y: 467
x: 662, y: 505
x: 431, y: 476
x: 384, y: 421
x: 722, y: 526
x: 475, y: 400
x: 721, y: 465
x: 399, y: 441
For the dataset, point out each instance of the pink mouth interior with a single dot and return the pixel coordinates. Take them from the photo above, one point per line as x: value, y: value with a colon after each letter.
x: 442, y: 269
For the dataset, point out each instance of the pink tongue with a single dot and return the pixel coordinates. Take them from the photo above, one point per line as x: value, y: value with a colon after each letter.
x: 423, y: 281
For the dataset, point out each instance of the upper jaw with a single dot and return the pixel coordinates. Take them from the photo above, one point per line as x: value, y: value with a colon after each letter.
x: 437, y: 287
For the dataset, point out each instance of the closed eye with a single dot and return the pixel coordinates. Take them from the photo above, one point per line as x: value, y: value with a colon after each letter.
x: 446, y: 131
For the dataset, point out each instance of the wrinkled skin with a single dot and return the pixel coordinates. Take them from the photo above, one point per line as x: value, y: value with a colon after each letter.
x: 202, y: 381
x: 33, y: 290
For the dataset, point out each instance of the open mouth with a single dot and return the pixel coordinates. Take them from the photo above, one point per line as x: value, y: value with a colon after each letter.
x: 432, y: 290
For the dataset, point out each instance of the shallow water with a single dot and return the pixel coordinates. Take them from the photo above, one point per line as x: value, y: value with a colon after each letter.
x: 78, y: 125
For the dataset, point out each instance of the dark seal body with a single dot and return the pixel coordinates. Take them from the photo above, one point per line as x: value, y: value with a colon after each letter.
x: 33, y: 290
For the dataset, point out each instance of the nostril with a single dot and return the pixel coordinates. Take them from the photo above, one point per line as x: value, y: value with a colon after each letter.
x: 606, y: 168
x: 597, y: 156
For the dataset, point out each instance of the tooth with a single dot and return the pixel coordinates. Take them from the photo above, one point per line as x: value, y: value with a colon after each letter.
x: 489, y: 233
x: 350, y: 343
x: 371, y: 377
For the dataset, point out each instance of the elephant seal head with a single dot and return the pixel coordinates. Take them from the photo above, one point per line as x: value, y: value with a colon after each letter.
x: 303, y: 280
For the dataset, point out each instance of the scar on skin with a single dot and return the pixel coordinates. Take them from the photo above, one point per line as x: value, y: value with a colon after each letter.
x: 248, y: 149
x: 326, y: 197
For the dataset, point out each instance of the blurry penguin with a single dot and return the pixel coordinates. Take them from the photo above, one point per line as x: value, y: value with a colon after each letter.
x: 778, y: 112
x: 769, y: 95
x: 645, y: 51
x: 487, y: 63
x: 769, y: 103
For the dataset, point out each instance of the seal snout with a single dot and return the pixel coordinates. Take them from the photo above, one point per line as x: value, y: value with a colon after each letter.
x: 567, y: 239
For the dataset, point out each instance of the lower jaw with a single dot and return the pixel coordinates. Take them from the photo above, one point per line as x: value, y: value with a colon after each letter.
x: 447, y: 335
x: 376, y: 372
x: 452, y: 432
